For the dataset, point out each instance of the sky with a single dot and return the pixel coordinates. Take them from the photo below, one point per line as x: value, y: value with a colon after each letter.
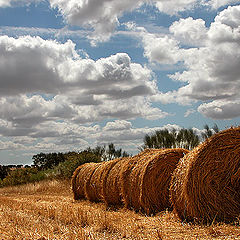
x: 80, y: 73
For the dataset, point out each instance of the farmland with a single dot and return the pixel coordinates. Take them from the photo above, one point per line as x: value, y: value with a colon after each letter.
x: 46, y: 210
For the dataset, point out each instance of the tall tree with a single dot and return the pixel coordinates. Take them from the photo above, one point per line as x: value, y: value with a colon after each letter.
x: 108, y: 153
x: 185, y: 138
x: 209, y: 132
x: 47, y: 160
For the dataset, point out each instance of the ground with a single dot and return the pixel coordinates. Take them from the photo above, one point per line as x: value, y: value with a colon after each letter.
x: 46, y: 210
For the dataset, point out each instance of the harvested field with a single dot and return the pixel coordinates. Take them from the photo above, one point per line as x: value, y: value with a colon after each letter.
x: 206, y: 184
x: 46, y: 210
x: 145, y: 179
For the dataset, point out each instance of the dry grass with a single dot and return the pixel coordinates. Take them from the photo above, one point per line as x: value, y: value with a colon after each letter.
x: 47, y: 211
x: 206, y: 185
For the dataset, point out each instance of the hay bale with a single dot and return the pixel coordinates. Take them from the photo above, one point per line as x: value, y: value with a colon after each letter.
x: 206, y: 184
x: 79, y: 178
x: 126, y: 180
x: 111, y: 182
x: 94, y: 184
x: 145, y: 179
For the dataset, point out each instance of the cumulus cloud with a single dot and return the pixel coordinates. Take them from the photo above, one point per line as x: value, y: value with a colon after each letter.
x: 118, y: 125
x: 53, y: 92
x: 211, y: 71
x: 7, y: 145
x: 189, y: 112
x: 173, y: 6
x: 221, y: 109
x: 9, y: 3
x: 102, y: 15
x: 189, y: 31
x: 52, y: 68
x: 161, y: 49
x: 217, y: 4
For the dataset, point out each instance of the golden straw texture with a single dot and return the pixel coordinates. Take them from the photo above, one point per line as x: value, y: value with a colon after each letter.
x: 79, y: 179
x: 94, y: 184
x: 111, y: 182
x: 145, y: 179
x: 206, y: 184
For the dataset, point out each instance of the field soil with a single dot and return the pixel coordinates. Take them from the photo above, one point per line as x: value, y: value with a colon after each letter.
x: 46, y: 210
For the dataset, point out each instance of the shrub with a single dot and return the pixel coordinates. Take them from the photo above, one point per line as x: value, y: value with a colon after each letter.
x: 73, y: 160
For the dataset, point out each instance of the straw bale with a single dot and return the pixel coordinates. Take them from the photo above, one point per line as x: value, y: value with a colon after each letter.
x: 94, y: 184
x: 111, y: 182
x: 205, y: 187
x: 145, y: 179
x: 126, y: 180
x: 79, y: 179
x: 155, y: 179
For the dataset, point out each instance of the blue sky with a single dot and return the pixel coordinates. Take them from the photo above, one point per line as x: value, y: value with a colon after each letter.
x: 81, y: 73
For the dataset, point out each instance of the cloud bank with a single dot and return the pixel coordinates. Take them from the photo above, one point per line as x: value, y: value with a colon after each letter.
x: 211, y: 66
x: 49, y: 95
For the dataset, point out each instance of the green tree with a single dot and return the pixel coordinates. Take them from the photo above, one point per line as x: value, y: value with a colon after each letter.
x: 108, y: 153
x: 185, y: 138
x: 73, y: 160
x: 3, y: 171
x: 209, y: 132
x: 45, y: 161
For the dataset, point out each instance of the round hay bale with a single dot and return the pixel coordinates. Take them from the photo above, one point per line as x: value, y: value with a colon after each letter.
x: 111, y: 182
x: 79, y: 179
x: 205, y: 187
x: 126, y: 181
x: 94, y: 185
x: 156, y: 177
x: 146, y: 178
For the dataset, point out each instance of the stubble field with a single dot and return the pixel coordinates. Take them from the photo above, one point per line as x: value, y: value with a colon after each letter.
x: 46, y: 210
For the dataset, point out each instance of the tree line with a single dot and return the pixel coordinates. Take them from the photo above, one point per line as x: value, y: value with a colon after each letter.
x: 60, y: 164
x: 183, y: 138
x: 63, y: 164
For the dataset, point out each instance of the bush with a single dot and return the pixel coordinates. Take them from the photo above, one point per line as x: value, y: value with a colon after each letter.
x: 21, y: 176
x: 63, y: 170
x: 73, y: 160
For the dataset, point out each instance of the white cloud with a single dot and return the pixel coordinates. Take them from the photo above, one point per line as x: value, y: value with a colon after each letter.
x: 101, y: 15
x: 212, y: 70
x: 226, y: 27
x: 161, y: 49
x: 8, y: 145
x: 9, y: 3
x: 221, y: 109
x: 53, y: 91
x: 172, y: 7
x: 189, y: 31
x: 52, y: 68
x: 118, y: 125
x: 4, y: 3
x: 215, y: 4
x: 129, y: 136
x: 189, y: 112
